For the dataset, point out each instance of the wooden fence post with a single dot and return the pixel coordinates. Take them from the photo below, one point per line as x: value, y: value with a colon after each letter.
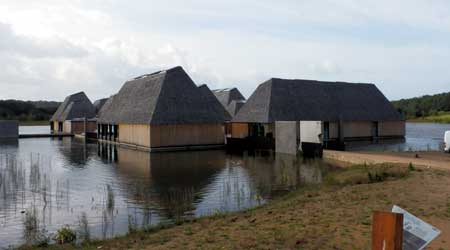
x: 387, y: 231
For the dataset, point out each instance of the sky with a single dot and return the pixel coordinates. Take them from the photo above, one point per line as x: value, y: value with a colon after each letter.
x: 52, y: 48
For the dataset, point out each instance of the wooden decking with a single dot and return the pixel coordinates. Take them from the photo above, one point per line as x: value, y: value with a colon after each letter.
x: 24, y: 136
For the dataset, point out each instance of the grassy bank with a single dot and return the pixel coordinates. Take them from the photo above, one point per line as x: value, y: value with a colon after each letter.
x: 33, y: 123
x: 333, y: 215
x: 441, y: 117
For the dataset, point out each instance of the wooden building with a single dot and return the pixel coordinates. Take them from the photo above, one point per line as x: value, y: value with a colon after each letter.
x: 99, y: 104
x: 75, y: 115
x: 231, y: 99
x: 162, y: 111
x: 347, y: 111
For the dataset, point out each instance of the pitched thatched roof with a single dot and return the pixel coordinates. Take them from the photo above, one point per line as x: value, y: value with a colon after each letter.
x: 74, y: 106
x: 106, y: 106
x: 231, y: 99
x: 207, y: 93
x: 161, y: 98
x: 99, y: 104
x: 296, y: 100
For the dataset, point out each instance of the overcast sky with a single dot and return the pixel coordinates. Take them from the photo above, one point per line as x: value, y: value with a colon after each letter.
x: 52, y: 48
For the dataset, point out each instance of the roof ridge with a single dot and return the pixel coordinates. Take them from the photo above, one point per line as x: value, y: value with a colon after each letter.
x: 163, y: 83
x: 320, y: 81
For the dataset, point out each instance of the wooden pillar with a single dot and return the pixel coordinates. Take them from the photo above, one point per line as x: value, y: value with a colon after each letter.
x: 105, y: 134
x: 341, y: 131
x: 387, y: 231
x: 98, y: 131
x: 110, y: 132
x: 84, y: 127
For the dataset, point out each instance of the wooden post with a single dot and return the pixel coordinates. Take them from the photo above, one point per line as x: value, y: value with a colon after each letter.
x: 387, y: 231
x: 84, y: 127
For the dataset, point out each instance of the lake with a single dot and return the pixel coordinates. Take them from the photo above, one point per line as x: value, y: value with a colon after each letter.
x: 419, y: 137
x: 55, y: 182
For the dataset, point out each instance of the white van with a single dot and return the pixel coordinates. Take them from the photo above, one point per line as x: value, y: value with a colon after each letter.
x: 447, y: 141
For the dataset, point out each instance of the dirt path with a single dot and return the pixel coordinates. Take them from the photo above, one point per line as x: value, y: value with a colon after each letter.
x: 437, y: 160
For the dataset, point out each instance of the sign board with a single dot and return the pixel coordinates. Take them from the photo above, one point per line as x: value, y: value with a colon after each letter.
x: 417, y: 234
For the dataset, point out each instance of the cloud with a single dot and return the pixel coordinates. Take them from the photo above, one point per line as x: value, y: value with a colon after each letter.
x: 64, y: 46
x: 32, y: 47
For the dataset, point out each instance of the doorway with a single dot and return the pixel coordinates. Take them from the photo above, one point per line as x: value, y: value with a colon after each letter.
x: 375, y: 133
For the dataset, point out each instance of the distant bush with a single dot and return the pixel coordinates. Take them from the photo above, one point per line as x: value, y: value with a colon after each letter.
x: 27, y: 110
x: 429, y: 105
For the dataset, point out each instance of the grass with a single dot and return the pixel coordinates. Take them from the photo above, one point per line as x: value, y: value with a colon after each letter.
x: 33, y: 123
x: 333, y: 215
x: 441, y: 117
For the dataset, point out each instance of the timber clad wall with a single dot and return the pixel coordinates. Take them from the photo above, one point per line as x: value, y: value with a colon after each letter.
x: 78, y: 127
x: 357, y: 129
x: 67, y: 127
x: 334, y: 130
x: 239, y: 130
x: 172, y: 135
x: 9, y: 129
x: 183, y: 135
x: 135, y: 134
x: 396, y: 128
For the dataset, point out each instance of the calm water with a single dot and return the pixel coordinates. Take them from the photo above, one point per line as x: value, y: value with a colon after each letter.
x: 419, y: 137
x: 62, y: 179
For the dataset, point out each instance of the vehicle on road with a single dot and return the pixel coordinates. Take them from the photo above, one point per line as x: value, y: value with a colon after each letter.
x: 447, y: 141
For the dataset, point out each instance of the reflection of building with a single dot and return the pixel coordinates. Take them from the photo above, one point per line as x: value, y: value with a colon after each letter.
x: 163, y: 110
x: 74, y: 116
x: 75, y: 151
x: 283, y: 172
x: 168, y: 181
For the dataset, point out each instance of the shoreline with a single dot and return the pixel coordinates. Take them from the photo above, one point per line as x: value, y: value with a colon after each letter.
x: 333, y: 215
x: 429, y: 159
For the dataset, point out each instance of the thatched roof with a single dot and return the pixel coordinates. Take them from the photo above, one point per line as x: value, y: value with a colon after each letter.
x: 297, y: 100
x: 162, y: 98
x: 74, y: 106
x: 99, y: 104
x: 207, y: 93
x: 231, y: 99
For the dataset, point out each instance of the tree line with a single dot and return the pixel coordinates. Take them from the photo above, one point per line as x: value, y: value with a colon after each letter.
x: 428, y: 105
x: 27, y: 110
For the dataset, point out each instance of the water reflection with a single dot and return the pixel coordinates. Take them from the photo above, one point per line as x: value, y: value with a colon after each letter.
x: 114, y: 189
x: 75, y: 151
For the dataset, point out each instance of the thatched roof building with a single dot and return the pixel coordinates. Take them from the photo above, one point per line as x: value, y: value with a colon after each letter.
x: 297, y: 100
x: 162, y: 98
x: 99, y: 104
x: 163, y: 109
x: 211, y: 98
x: 231, y: 99
x: 74, y: 106
x: 328, y: 112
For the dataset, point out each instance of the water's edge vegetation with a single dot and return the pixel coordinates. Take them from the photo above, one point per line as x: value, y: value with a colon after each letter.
x: 307, y: 217
x: 439, y: 117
